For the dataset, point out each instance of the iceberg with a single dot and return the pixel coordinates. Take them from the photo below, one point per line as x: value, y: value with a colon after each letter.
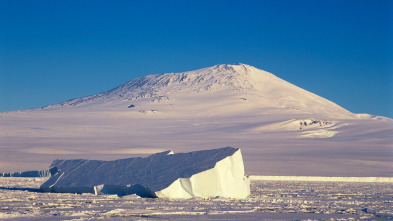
x: 206, y: 174
x: 30, y: 173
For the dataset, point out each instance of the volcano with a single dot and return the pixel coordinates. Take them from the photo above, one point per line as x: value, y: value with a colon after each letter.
x: 282, y: 129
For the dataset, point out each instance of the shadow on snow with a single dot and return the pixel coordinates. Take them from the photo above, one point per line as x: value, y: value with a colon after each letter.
x: 34, y: 190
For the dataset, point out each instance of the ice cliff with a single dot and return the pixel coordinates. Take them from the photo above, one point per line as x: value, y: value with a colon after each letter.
x: 30, y: 173
x: 207, y: 173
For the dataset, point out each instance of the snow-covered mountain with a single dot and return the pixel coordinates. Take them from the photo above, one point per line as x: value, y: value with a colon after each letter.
x: 281, y: 128
x: 239, y: 81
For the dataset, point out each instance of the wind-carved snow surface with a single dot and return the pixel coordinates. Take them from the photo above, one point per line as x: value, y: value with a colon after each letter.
x: 283, y: 130
x: 207, y: 174
x: 21, y: 199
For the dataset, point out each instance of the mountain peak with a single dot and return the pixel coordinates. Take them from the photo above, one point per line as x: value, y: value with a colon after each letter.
x: 229, y: 65
x: 233, y: 81
x: 232, y: 76
x: 237, y: 67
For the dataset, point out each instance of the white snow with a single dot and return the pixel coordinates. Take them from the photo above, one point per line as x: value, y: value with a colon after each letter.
x: 20, y: 199
x: 208, y: 173
x: 325, y: 179
x: 223, y: 105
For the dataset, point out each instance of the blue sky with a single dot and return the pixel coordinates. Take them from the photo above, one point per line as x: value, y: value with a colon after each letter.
x: 52, y: 51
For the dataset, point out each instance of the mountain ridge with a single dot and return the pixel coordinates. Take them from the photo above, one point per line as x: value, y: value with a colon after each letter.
x: 264, y: 88
x: 149, y: 83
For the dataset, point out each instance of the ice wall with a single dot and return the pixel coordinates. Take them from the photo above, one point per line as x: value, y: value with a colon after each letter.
x: 31, y: 173
x: 208, y: 173
x: 225, y: 179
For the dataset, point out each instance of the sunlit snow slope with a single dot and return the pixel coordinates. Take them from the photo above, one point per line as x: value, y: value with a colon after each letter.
x: 281, y: 128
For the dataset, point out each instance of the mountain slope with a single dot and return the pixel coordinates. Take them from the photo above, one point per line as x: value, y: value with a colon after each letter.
x: 262, y: 88
x: 281, y: 128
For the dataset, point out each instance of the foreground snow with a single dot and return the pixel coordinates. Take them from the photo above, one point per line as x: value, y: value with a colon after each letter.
x: 325, y: 179
x: 20, y: 199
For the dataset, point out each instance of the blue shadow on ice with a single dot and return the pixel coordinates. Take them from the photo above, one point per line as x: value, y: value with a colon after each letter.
x: 34, y: 190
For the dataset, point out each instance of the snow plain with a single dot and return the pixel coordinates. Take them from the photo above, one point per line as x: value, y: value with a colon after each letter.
x: 20, y: 199
x: 282, y: 129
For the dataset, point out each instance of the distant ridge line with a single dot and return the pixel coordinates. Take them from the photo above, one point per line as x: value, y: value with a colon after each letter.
x: 325, y: 179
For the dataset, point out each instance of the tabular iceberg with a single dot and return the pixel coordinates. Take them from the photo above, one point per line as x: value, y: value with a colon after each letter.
x: 207, y: 173
x: 30, y: 173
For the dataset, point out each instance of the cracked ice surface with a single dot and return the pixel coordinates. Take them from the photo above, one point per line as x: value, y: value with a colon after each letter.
x: 20, y: 199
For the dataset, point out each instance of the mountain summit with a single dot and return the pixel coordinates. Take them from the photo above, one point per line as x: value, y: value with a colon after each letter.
x: 239, y: 81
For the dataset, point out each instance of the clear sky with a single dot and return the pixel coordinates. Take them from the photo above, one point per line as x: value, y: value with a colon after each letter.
x: 52, y: 51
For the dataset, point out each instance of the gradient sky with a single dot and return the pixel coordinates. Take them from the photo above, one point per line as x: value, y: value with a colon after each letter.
x: 52, y: 51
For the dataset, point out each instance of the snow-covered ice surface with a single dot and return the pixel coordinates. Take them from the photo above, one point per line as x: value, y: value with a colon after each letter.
x: 206, y: 173
x: 282, y: 129
x: 20, y: 199
x: 325, y: 179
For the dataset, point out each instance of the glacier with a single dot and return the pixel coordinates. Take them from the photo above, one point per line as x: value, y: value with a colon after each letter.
x: 206, y: 174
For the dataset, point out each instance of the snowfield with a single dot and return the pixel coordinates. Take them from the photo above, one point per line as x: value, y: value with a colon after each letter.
x: 282, y: 130
x: 325, y: 179
x: 21, y: 199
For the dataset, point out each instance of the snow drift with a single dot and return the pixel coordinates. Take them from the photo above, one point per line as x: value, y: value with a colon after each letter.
x: 207, y: 173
